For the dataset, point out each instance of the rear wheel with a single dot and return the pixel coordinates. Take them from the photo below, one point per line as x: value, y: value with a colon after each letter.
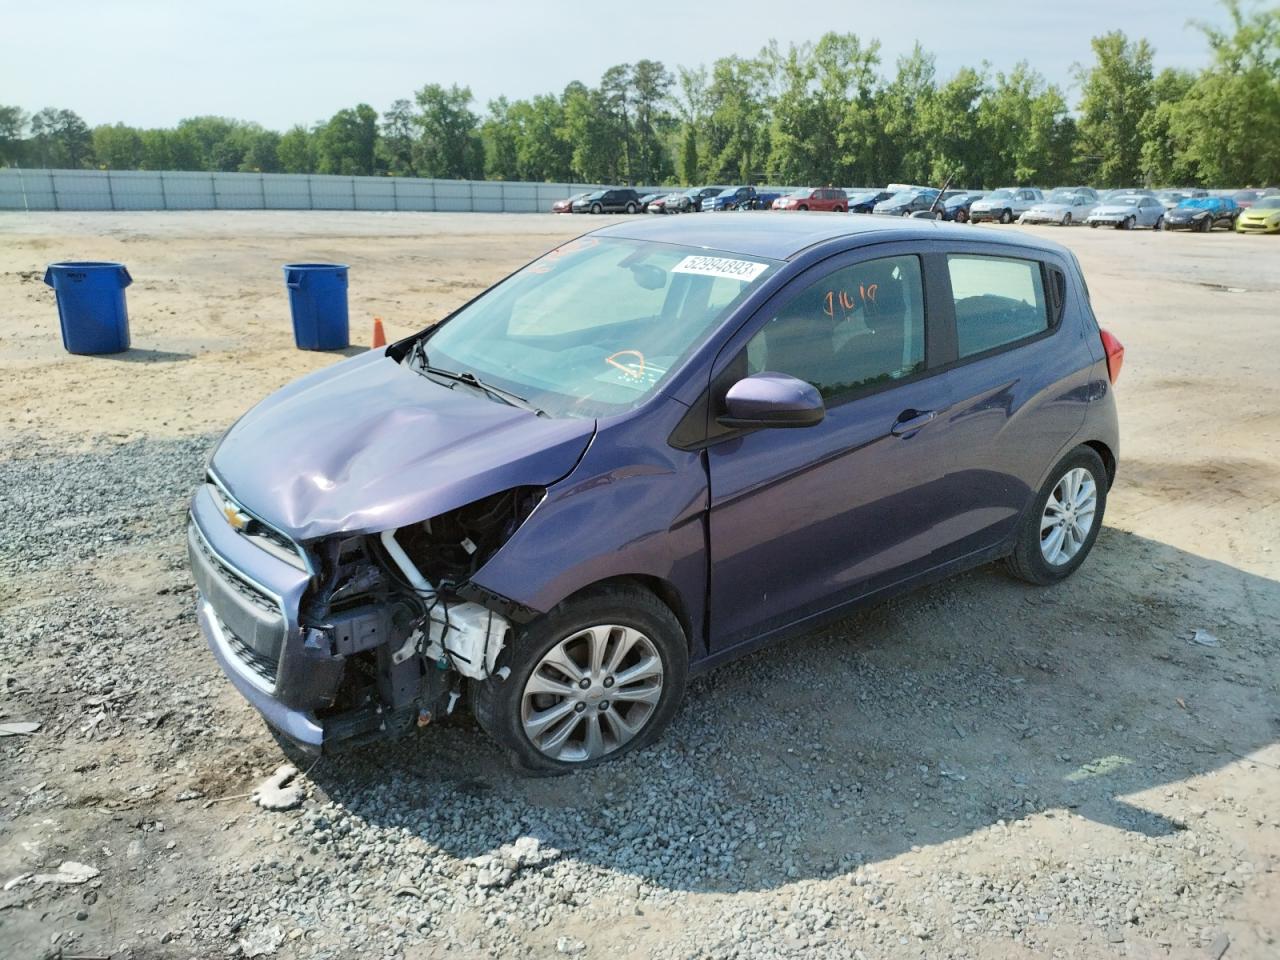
x: 1159, y: 224
x: 1062, y: 524
x: 1066, y: 219
x: 1206, y: 224
x: 962, y: 216
x: 837, y: 209
x: 599, y: 676
x: 631, y: 208
x: 1006, y: 216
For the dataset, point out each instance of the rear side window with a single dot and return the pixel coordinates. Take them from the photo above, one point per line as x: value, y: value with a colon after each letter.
x: 998, y: 300
x: 857, y: 328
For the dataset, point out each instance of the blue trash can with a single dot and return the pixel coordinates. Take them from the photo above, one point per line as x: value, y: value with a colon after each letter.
x: 91, y: 306
x: 318, y: 302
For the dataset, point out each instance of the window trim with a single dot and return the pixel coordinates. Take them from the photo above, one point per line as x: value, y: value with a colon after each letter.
x: 947, y: 305
x: 698, y: 428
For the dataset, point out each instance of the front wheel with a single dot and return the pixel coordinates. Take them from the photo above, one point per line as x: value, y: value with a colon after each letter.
x: 1066, y: 219
x: 1206, y: 225
x: 1159, y: 224
x: 1062, y: 524
x: 599, y: 676
x: 1006, y: 216
x: 1093, y: 224
x: 962, y: 216
x: 596, y: 208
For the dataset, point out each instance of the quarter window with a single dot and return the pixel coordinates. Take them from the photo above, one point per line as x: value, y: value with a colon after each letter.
x: 998, y: 300
x: 857, y: 327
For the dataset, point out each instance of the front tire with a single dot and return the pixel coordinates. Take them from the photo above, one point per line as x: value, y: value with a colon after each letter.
x: 1159, y: 224
x: 1006, y: 216
x: 962, y: 216
x: 1206, y: 225
x: 596, y: 208
x: 597, y: 677
x: 1062, y: 524
x: 1066, y: 219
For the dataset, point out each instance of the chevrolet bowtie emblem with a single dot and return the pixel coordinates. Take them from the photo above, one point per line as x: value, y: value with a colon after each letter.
x: 237, y: 518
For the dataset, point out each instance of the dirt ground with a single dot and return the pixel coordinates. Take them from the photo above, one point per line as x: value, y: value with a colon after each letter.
x: 1121, y: 742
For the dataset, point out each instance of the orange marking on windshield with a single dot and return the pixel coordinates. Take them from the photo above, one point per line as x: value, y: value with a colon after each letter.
x: 635, y: 370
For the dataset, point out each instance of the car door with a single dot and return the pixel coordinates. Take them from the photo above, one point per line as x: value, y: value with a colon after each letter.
x: 1018, y: 385
x: 803, y: 520
x: 1150, y: 210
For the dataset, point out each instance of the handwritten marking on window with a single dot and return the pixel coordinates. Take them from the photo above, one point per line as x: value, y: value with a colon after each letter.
x: 866, y: 298
x: 634, y: 369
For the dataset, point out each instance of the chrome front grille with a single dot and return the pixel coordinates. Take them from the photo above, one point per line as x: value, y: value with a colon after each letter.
x: 263, y: 535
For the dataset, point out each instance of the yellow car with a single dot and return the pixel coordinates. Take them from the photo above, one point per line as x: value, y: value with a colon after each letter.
x: 1262, y: 217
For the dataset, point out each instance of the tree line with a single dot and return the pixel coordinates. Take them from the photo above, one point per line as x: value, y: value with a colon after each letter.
x: 815, y: 113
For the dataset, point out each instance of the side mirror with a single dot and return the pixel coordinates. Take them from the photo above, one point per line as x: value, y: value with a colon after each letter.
x: 772, y: 400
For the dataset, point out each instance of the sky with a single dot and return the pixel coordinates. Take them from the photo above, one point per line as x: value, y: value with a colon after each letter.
x: 281, y: 62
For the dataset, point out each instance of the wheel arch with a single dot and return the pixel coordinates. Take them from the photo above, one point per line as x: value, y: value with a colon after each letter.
x: 664, y: 590
x: 1108, y: 459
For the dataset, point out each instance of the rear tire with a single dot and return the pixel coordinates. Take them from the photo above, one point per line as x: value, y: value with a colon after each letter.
x: 505, y: 709
x: 1066, y: 219
x: 1159, y: 224
x: 962, y: 216
x: 1041, y: 523
x: 1006, y: 216
x: 631, y: 208
x: 1206, y: 225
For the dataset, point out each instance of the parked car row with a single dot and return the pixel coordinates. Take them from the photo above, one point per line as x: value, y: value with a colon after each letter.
x: 1122, y: 209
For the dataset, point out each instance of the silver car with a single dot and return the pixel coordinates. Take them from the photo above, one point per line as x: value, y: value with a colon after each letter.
x: 1065, y: 206
x: 1005, y: 205
x: 1128, y: 211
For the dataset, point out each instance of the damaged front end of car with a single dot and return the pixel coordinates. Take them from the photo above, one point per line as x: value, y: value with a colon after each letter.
x: 353, y: 636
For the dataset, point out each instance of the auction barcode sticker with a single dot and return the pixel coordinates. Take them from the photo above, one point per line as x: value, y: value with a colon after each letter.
x: 744, y: 270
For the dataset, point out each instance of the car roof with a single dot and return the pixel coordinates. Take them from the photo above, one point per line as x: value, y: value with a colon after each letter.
x: 783, y: 237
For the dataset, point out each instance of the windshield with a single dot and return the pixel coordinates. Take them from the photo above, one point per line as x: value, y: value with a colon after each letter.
x: 1200, y: 203
x: 1268, y: 203
x: 803, y: 194
x: 593, y: 327
x: 1125, y: 201
x: 905, y: 197
x: 1060, y: 196
x: 1000, y: 195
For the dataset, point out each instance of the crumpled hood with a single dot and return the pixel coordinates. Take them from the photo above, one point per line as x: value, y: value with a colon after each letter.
x: 368, y: 445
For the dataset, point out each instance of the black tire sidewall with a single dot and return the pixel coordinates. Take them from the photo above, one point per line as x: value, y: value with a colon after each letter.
x: 1028, y: 560
x: 497, y: 703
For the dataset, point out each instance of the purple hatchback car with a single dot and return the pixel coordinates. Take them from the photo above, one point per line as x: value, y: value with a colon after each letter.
x: 651, y: 450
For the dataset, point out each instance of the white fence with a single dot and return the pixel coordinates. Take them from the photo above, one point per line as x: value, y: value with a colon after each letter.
x: 180, y: 190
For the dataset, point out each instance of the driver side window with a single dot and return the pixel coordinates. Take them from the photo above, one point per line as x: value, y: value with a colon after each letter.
x: 857, y: 327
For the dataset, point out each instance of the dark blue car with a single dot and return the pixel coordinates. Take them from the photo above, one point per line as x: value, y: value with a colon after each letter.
x: 650, y: 451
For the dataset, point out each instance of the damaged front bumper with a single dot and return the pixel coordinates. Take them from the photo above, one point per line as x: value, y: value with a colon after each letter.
x: 247, y: 606
x: 321, y: 674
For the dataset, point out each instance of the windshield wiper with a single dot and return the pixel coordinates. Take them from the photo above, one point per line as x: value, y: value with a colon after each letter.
x: 471, y: 380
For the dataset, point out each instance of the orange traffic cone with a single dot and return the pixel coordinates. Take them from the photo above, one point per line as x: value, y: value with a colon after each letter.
x: 379, y: 336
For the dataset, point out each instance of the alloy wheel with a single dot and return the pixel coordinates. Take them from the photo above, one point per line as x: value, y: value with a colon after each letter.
x: 592, y: 693
x: 1068, y: 516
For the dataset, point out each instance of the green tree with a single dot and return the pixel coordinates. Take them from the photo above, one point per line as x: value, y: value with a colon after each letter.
x: 737, y: 125
x: 651, y: 83
x: 448, y: 143
x: 692, y: 106
x: 117, y: 147
x: 500, y: 133
x: 947, y: 124
x: 297, y: 150
x: 592, y: 128
x: 1024, y: 123
x: 901, y: 144
x: 13, y: 125
x: 1227, y: 127
x: 543, y: 150
x: 347, y: 143
x: 1162, y: 161
x: 60, y: 139
x: 395, y: 145
x: 1115, y: 98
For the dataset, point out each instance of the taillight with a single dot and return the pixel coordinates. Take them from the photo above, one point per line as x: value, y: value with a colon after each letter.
x: 1115, y: 355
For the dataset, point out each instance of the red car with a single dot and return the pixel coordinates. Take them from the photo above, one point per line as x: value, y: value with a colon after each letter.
x: 830, y: 199
x: 566, y: 205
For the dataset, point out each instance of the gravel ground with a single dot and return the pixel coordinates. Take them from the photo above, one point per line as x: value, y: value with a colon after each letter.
x: 979, y: 769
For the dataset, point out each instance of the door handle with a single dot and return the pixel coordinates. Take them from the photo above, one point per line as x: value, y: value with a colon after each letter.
x: 910, y: 421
